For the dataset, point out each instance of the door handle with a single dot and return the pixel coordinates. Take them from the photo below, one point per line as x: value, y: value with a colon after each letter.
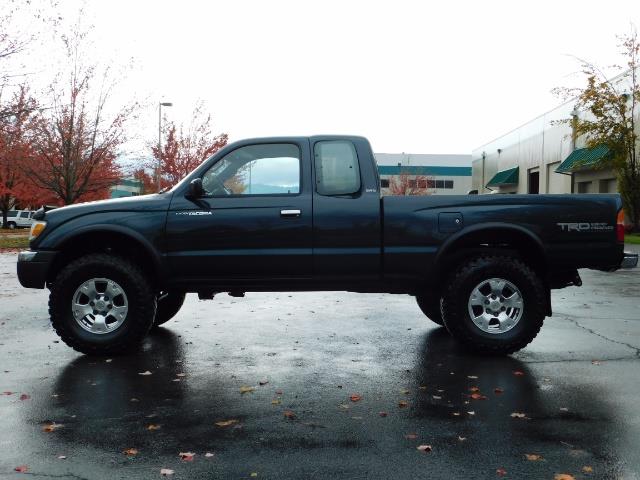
x: 290, y: 213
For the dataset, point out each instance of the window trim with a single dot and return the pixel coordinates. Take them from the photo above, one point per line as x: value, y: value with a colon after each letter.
x: 315, y: 172
x: 261, y: 195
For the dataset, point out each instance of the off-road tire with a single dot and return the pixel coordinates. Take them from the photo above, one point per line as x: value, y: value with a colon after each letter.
x: 168, y: 306
x: 457, y: 293
x: 140, y: 295
x: 430, y: 306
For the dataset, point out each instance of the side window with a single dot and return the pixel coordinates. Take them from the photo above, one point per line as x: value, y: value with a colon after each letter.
x: 265, y: 169
x: 337, y: 170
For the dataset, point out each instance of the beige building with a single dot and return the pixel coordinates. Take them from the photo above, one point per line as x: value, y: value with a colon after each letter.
x: 542, y: 156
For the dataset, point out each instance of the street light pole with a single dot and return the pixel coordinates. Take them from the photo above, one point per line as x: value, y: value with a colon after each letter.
x: 159, y: 166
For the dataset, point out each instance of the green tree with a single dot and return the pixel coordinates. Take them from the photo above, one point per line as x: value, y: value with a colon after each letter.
x: 613, y: 119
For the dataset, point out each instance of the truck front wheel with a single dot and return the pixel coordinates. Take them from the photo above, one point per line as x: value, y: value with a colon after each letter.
x: 101, y: 304
x: 430, y: 306
x: 494, y: 304
x: 169, y: 305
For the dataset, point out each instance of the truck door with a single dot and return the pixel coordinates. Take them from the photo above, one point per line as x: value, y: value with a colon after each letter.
x: 253, y: 222
x: 346, y: 210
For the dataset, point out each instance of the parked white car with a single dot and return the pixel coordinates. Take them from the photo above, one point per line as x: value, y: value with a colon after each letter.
x: 18, y: 219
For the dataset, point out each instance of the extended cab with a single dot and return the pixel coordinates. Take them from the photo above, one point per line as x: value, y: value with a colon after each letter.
x: 306, y: 213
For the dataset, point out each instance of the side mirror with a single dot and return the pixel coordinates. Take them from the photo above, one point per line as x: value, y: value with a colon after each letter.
x: 472, y: 192
x: 195, y: 188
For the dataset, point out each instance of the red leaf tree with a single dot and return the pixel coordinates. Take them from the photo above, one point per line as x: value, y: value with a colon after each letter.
x: 186, y: 148
x: 77, y: 139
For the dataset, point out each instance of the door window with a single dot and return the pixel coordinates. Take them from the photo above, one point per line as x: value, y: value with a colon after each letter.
x: 337, y: 170
x: 264, y: 169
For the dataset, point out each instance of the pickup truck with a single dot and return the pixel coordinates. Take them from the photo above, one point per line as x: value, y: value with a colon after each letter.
x: 306, y: 214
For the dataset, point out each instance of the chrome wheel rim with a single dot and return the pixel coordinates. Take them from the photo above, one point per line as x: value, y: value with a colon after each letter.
x: 495, y: 305
x: 99, y: 306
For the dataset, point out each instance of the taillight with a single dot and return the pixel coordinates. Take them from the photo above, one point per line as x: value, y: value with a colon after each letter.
x: 620, y: 226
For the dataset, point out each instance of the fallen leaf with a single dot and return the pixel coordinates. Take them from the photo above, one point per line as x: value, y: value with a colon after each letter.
x: 532, y: 457
x: 461, y: 439
x: 587, y: 469
x: 254, y: 474
x: 245, y: 389
x: 355, y: 397
x: 145, y: 373
x: 50, y: 427
x: 130, y: 452
x: 402, y: 403
x: 109, y: 360
x: 263, y: 382
x: 472, y: 377
x: 209, y: 454
x: 501, y: 472
x: 405, y: 391
x: 289, y: 414
x: 436, y: 397
x: 24, y: 396
x: 383, y: 414
x: 226, y: 423
x: 498, y: 390
x: 596, y: 362
x: 518, y: 415
x: 62, y: 457
x: 275, y: 402
x: 134, y: 400
x: 153, y: 426
x: 424, y: 448
x: 278, y: 392
x: 518, y: 373
x: 563, y: 476
x: 187, y: 456
x: 411, y: 436
x: 564, y: 409
x: 474, y: 389
x: 456, y: 414
x: 422, y: 387
x: 344, y: 406
x: 471, y: 412
x: 478, y: 396
x: 21, y: 469
x: 166, y: 471
x: 181, y: 374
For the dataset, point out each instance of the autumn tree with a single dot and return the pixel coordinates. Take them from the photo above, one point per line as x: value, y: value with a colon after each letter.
x: 186, y: 147
x: 15, y: 153
x: 407, y: 184
x: 611, y: 119
x: 78, y: 137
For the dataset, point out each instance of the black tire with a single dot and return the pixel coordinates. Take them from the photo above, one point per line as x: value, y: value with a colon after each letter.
x: 168, y: 306
x: 430, y: 306
x: 455, y: 304
x: 140, y: 296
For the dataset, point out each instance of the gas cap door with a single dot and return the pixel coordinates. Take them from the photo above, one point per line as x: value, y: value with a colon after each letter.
x: 449, y: 222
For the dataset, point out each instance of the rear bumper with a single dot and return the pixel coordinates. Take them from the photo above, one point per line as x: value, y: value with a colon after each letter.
x: 629, y: 260
x: 33, y: 267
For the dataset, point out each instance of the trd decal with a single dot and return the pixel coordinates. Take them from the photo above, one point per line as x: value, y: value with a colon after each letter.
x: 585, y: 227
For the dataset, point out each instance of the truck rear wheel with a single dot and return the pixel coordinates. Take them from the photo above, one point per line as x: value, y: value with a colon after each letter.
x: 494, y: 304
x: 430, y: 306
x: 168, y: 306
x: 101, y: 304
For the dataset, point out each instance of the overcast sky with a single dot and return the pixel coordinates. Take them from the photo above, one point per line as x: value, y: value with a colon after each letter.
x: 420, y: 77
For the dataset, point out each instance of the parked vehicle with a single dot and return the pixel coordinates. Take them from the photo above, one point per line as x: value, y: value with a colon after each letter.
x: 305, y: 213
x: 18, y: 219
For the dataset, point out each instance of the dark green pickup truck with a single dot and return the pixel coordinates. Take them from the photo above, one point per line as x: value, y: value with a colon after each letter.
x: 306, y: 213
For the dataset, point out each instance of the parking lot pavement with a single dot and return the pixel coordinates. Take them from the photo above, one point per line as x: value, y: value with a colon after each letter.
x: 574, y: 392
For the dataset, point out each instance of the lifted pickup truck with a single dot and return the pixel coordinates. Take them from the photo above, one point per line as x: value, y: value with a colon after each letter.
x: 305, y: 213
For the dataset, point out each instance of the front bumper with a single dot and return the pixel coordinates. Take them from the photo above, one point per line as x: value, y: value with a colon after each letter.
x: 33, y: 267
x: 629, y: 260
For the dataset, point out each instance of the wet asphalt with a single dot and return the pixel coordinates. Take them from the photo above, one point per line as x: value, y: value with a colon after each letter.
x: 575, y: 390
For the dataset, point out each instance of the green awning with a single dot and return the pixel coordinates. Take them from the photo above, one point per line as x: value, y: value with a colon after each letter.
x: 583, y: 158
x: 505, y: 177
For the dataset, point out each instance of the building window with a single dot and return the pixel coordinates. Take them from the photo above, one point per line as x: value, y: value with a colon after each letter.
x: 439, y: 183
x: 534, y: 181
x: 384, y: 183
x: 584, y: 187
x: 422, y: 184
x: 448, y: 184
x: 431, y: 184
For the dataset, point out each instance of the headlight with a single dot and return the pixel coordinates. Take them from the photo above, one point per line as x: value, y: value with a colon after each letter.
x: 36, y: 229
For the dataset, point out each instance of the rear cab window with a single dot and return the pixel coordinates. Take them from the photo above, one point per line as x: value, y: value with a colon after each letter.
x: 336, y: 167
